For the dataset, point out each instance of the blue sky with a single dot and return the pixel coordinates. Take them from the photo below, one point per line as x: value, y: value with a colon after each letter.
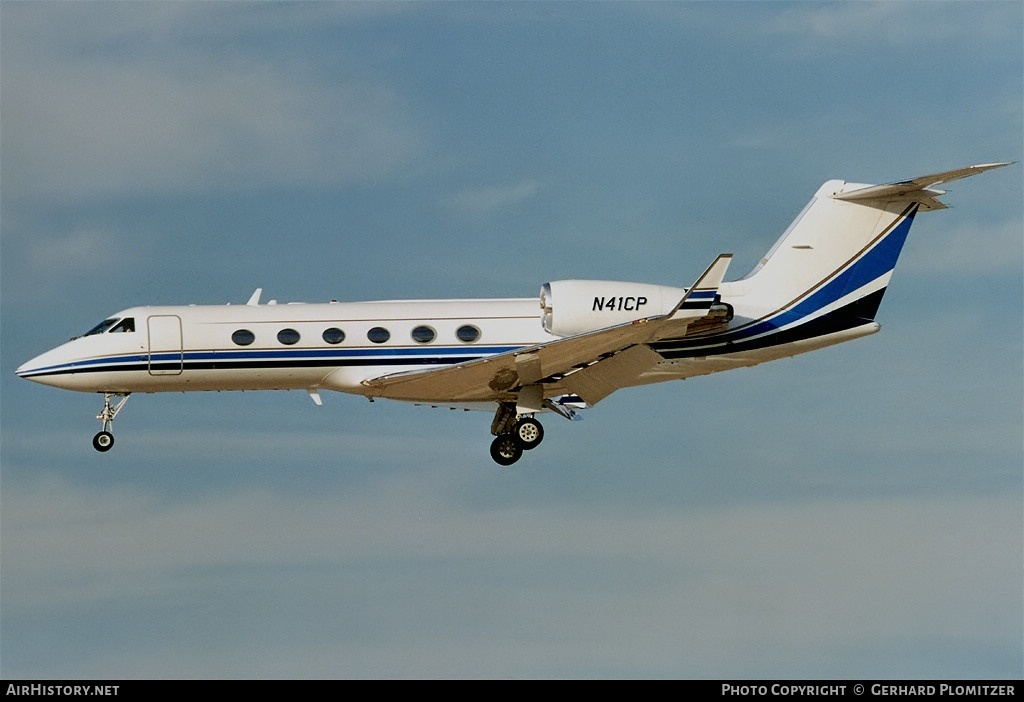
x: 856, y: 512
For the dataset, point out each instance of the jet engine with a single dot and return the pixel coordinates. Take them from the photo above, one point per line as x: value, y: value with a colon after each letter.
x: 577, y: 306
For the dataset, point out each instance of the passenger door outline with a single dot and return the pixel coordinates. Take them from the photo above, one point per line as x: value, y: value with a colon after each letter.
x: 166, y: 352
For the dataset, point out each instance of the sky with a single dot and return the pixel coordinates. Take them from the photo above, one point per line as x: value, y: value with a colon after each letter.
x: 851, y: 513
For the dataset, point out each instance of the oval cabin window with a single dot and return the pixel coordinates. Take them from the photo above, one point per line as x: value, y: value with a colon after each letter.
x: 243, y: 337
x: 423, y: 334
x: 467, y: 333
x: 288, y: 337
x: 378, y: 335
x: 334, y: 335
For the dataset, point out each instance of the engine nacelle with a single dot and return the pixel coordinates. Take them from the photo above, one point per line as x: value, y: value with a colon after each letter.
x: 577, y: 306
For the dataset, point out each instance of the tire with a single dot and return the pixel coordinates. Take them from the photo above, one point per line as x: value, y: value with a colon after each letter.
x: 529, y: 433
x: 103, y: 441
x: 505, y: 450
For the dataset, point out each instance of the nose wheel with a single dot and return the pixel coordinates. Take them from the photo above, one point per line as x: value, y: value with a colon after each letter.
x: 104, y: 439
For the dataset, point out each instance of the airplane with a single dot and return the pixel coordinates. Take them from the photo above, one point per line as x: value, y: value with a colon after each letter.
x: 564, y: 351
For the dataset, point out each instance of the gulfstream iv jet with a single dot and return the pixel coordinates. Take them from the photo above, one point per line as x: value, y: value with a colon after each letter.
x: 568, y: 349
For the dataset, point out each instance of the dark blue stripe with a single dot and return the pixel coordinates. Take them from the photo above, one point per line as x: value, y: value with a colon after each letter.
x: 263, y: 358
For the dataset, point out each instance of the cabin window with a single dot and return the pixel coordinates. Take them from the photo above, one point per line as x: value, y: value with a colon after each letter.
x: 125, y: 325
x: 334, y: 335
x: 288, y: 337
x: 101, y: 327
x: 467, y: 333
x: 243, y: 337
x: 423, y: 334
x: 378, y: 335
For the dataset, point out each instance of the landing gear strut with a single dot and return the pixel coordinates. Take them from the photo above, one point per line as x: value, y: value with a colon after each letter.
x: 104, y: 440
x: 513, y: 434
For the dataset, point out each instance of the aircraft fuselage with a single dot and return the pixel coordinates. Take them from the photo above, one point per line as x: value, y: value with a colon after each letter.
x: 285, y: 346
x: 569, y: 348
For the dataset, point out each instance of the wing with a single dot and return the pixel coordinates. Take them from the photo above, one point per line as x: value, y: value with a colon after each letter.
x: 592, y: 364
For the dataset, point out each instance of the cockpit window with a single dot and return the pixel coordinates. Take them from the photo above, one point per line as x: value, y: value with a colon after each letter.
x: 101, y: 327
x: 125, y: 325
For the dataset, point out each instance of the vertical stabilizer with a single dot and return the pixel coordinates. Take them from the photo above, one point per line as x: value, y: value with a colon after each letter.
x: 840, y: 251
x: 834, y: 254
x: 830, y: 268
x: 823, y: 280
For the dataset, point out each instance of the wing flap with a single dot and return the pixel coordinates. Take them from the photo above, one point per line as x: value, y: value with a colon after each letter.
x: 599, y: 380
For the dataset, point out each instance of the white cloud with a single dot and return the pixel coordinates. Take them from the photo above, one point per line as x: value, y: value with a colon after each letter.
x: 969, y: 249
x: 159, y: 110
x: 830, y: 26
x: 826, y: 27
x: 838, y: 21
x: 485, y: 200
x: 568, y: 587
x: 81, y: 250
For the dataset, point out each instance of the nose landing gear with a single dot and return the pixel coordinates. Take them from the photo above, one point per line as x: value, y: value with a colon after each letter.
x: 104, y: 439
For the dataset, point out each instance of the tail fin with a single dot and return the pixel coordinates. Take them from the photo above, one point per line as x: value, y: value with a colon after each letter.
x: 841, y: 250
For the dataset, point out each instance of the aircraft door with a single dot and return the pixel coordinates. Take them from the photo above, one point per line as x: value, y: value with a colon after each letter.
x: 165, y: 348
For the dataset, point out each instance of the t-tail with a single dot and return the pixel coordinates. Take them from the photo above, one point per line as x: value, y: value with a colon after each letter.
x: 823, y: 280
x: 841, y: 250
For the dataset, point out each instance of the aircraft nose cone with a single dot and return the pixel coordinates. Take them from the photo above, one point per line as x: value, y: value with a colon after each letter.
x: 66, y: 366
x: 40, y: 369
x: 29, y: 368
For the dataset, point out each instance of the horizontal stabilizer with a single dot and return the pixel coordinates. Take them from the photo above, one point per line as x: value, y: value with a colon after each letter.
x: 916, y: 189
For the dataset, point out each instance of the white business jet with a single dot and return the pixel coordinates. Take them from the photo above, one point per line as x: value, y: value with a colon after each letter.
x: 820, y: 284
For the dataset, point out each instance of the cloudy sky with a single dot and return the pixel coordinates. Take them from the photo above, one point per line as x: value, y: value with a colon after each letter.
x: 851, y: 513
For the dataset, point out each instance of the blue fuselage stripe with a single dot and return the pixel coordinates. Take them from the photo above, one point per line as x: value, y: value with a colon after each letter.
x: 257, y: 358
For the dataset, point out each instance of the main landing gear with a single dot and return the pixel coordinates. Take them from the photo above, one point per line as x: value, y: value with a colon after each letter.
x: 104, y: 440
x: 513, y: 435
